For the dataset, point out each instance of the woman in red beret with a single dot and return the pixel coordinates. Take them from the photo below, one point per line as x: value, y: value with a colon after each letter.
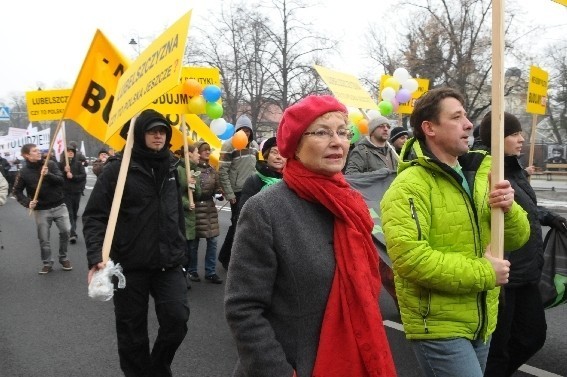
x: 303, y: 282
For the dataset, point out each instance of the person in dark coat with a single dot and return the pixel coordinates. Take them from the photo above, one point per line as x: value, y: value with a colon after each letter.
x: 75, y: 179
x: 521, y: 327
x: 206, y: 217
x: 302, y: 288
x: 149, y: 243
x: 268, y: 171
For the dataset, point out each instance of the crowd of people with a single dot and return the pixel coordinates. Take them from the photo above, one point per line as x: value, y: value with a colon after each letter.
x: 303, y: 274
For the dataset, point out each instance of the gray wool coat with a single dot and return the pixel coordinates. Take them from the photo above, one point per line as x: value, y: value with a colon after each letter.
x: 278, y: 283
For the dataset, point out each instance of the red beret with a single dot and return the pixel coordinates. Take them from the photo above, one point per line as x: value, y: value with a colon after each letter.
x: 298, y: 117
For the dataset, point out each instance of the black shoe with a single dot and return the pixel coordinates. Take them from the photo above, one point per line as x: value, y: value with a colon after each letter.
x: 193, y: 276
x: 213, y: 279
x: 73, y: 240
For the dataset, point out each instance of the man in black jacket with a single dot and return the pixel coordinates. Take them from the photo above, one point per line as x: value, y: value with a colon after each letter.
x: 149, y: 243
x: 73, y: 186
x: 49, y: 206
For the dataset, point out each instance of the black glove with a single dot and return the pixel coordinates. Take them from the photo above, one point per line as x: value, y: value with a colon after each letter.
x: 560, y: 224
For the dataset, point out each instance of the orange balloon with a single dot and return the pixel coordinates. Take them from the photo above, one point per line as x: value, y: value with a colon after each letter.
x: 363, y: 126
x: 239, y: 140
x: 192, y: 87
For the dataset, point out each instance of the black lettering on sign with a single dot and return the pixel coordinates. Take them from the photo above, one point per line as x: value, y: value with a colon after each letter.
x: 93, y: 97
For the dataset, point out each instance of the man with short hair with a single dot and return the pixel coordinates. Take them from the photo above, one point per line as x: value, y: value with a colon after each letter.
x: 48, y: 207
x: 436, y: 218
x: 373, y: 152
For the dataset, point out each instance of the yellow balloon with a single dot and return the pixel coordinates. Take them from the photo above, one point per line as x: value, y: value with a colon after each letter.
x: 197, y: 105
x: 354, y: 117
x: 392, y: 83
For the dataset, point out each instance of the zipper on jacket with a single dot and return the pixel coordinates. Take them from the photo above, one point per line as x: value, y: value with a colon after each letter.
x: 426, y: 314
x: 415, y: 218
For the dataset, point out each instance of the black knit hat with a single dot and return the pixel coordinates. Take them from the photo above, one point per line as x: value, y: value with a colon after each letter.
x: 511, y: 126
x: 267, y: 145
x: 397, y: 132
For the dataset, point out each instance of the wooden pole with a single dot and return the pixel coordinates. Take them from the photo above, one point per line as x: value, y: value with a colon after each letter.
x: 118, y: 193
x: 187, y: 162
x: 532, y: 142
x: 497, y: 139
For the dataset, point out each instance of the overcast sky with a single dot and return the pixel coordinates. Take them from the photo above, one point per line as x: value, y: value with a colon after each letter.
x: 45, y: 42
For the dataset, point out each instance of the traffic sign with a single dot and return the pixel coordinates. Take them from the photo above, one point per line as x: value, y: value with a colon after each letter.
x: 4, y: 113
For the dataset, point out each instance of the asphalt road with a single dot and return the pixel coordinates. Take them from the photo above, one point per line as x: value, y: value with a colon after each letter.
x: 49, y: 327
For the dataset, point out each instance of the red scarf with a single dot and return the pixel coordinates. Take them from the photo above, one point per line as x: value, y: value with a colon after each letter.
x: 353, y: 340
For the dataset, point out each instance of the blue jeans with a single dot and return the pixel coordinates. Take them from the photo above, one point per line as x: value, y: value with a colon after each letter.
x: 451, y: 357
x: 43, y: 219
x: 210, y: 256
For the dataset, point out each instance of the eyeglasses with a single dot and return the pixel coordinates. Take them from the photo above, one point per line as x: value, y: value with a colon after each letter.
x: 387, y: 126
x: 325, y: 133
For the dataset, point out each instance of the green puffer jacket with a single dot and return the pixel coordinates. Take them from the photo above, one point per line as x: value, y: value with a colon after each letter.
x: 437, y: 236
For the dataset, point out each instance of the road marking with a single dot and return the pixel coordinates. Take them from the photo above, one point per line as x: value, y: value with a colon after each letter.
x: 524, y: 368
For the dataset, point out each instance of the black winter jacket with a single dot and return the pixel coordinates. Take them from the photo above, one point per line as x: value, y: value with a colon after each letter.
x: 150, y: 231
x: 77, y: 183
x: 51, y: 191
x: 527, y: 261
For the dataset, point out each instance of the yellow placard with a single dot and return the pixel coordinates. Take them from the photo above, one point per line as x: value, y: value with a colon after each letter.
x: 537, y: 91
x: 154, y: 72
x: 346, y: 88
x: 196, y: 130
x: 562, y: 2
x: 407, y: 108
x: 175, y: 101
x: 47, y: 104
x: 93, y: 92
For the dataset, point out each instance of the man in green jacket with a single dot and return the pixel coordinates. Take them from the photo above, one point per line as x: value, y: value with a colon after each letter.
x: 436, y: 221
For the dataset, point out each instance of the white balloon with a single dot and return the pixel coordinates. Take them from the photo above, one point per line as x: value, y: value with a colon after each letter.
x: 218, y: 126
x: 388, y: 93
x: 372, y: 114
x: 401, y: 74
x: 411, y: 85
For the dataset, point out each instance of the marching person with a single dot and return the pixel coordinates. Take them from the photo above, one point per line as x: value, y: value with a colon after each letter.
x: 149, y: 244
x: 75, y: 179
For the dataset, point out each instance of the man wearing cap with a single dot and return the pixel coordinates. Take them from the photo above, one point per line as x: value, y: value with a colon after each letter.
x: 149, y: 243
x: 75, y: 178
x: 398, y: 137
x: 373, y: 152
x: 235, y: 166
x: 98, y: 164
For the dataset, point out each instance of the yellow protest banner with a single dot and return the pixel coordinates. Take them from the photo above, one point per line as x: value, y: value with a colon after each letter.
x: 537, y: 91
x: 93, y: 92
x: 154, y: 72
x: 346, y: 88
x: 562, y: 2
x: 47, y: 104
x: 407, y: 107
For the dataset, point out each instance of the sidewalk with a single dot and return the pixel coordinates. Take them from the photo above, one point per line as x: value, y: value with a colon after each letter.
x: 551, y: 194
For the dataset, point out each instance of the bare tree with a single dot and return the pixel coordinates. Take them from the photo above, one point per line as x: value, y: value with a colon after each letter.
x: 557, y: 99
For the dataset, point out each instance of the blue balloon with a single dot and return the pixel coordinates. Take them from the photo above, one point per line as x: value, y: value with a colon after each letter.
x: 211, y: 93
x: 227, y: 134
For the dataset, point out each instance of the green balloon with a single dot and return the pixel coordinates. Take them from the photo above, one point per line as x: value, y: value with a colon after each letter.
x: 213, y: 110
x: 355, y: 134
x: 385, y: 107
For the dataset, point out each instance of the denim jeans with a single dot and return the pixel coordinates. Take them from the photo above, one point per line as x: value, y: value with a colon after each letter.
x: 451, y: 357
x: 210, y: 256
x: 43, y: 219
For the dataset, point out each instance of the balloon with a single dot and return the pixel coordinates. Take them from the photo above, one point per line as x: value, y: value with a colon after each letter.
x: 196, y: 105
x: 395, y: 105
x: 392, y: 83
x: 218, y: 126
x: 212, y: 93
x: 356, y: 134
x: 355, y: 117
x: 363, y: 126
x: 213, y: 110
x: 239, y: 140
x: 192, y: 87
x: 411, y: 85
x: 388, y: 94
x: 401, y: 74
x: 385, y: 107
x: 403, y: 95
x: 371, y: 114
x: 228, y: 132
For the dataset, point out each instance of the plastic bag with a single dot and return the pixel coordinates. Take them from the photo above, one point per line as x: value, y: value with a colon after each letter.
x: 101, y: 287
x: 554, y: 274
